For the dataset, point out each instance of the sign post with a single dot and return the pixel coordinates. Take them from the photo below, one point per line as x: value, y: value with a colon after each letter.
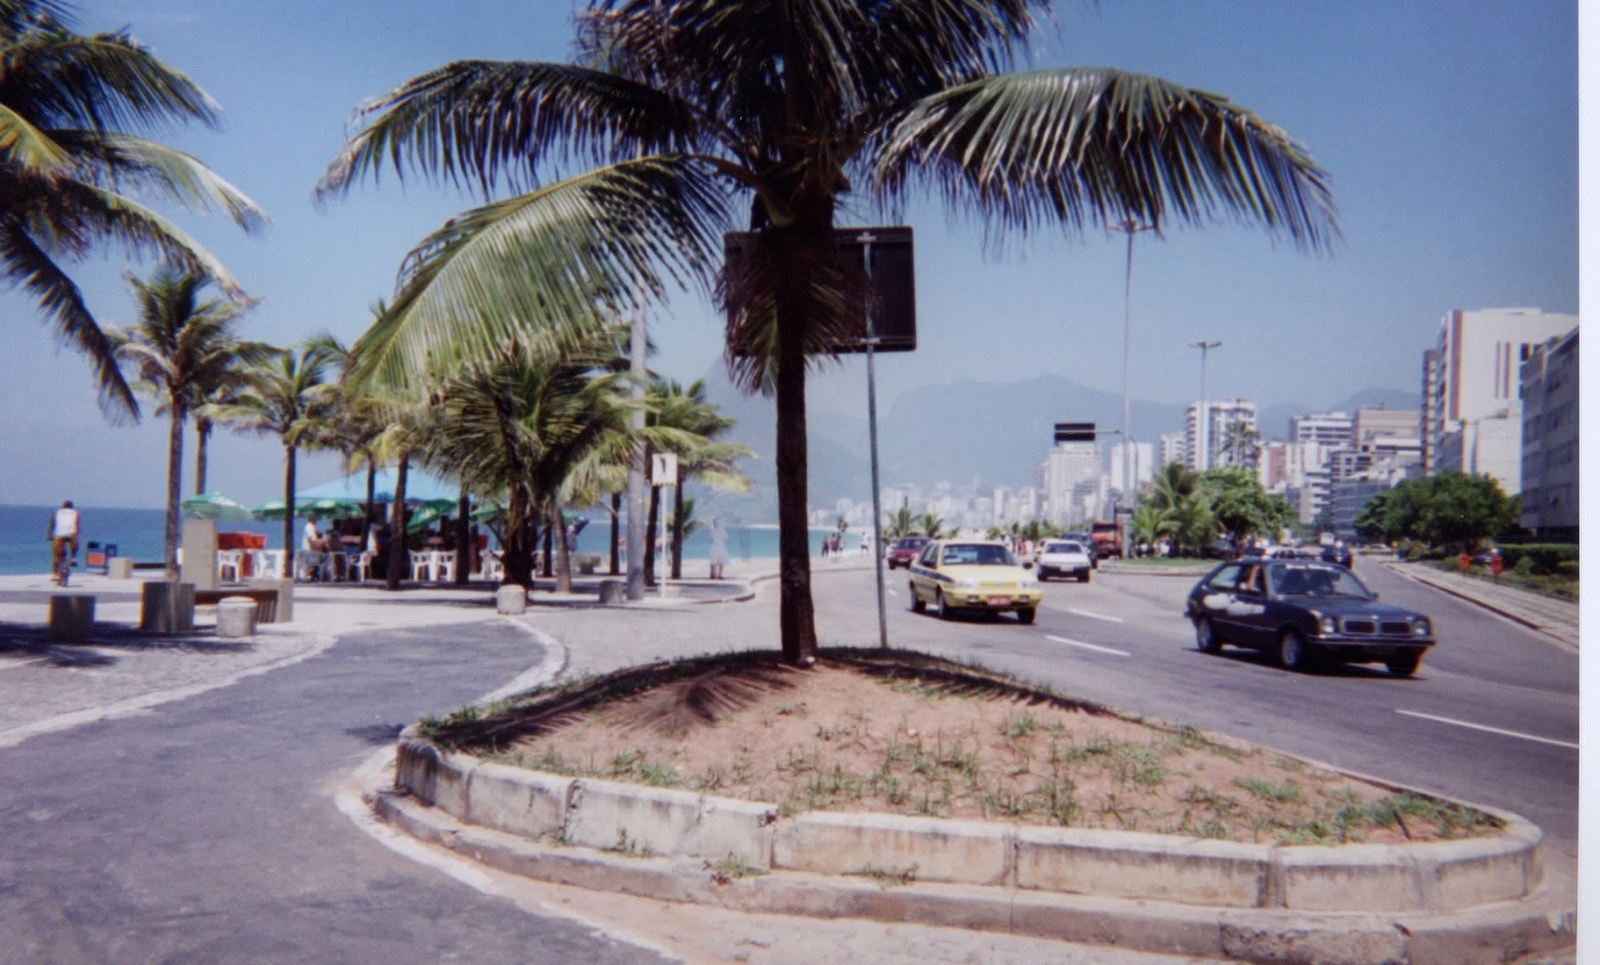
x: 663, y: 472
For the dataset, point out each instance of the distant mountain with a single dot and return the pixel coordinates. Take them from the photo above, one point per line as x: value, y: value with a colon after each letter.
x: 1272, y: 421
x: 957, y: 433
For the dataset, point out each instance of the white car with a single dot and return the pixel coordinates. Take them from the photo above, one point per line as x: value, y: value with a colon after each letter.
x: 1063, y: 557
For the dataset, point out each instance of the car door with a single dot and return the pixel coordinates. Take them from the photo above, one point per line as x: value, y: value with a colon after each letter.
x: 1252, y: 607
x: 924, y: 573
x: 1215, y: 599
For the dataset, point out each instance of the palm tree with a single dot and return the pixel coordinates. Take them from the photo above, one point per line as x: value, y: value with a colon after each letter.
x: 288, y: 396
x: 182, y: 348
x: 930, y: 525
x: 1170, y: 486
x: 70, y: 109
x: 1241, y: 443
x: 694, y: 109
x: 898, y: 524
x: 1150, y: 523
x: 700, y: 456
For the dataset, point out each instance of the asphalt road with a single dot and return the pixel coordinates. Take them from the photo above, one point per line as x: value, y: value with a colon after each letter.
x: 205, y: 832
x: 1121, y: 640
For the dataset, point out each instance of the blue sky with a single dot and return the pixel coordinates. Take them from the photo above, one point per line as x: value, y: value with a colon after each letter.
x: 1449, y: 128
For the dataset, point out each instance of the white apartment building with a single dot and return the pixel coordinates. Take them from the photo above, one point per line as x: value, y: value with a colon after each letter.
x: 1068, y: 476
x: 1173, y: 448
x: 1118, y: 466
x: 1550, y: 438
x: 1331, y: 430
x: 1205, y: 432
x: 1472, y: 389
x: 1285, y: 465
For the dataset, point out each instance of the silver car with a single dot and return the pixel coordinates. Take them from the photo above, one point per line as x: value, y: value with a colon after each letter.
x: 1063, y: 557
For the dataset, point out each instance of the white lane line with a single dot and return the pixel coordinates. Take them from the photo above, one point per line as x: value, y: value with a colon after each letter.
x: 1093, y: 616
x: 1086, y: 646
x: 1492, y: 730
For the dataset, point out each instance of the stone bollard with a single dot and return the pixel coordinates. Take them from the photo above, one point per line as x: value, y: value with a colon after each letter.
x: 613, y: 591
x: 166, y: 607
x: 236, y: 616
x: 71, y: 617
x: 511, y: 600
x: 120, y: 567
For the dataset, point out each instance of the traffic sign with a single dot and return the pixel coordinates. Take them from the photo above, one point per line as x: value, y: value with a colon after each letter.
x: 664, y: 469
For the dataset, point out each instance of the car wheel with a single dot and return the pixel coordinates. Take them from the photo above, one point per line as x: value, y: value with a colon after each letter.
x: 917, y: 605
x: 1205, y: 637
x: 939, y: 606
x: 1404, y: 664
x: 1293, y: 654
x: 1025, y: 614
x: 1083, y: 577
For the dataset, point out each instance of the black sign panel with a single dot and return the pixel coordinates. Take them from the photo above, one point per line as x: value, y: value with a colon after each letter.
x: 1075, y: 432
x: 894, y: 289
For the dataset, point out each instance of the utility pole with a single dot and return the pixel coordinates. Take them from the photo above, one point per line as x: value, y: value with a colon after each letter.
x: 866, y: 239
x: 1132, y: 227
x: 1202, y: 437
x: 638, y: 357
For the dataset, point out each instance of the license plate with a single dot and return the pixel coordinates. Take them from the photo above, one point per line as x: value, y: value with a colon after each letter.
x: 1000, y: 600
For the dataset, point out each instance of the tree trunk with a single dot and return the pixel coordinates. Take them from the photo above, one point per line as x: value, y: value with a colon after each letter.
x: 800, y: 245
x: 397, y: 525
x: 650, y: 536
x: 616, y: 526
x: 463, y: 551
x: 516, y: 550
x: 546, y: 564
x: 372, y: 498
x: 174, y: 488
x: 202, y: 433
x: 677, y: 528
x: 288, y: 511
x: 563, y: 559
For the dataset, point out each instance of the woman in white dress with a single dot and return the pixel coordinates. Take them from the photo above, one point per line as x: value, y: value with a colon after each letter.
x: 719, y: 548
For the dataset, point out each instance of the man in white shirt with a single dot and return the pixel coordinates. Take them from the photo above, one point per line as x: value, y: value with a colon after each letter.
x: 63, y: 537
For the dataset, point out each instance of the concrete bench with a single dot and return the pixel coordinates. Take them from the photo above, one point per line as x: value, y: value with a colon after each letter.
x: 266, y: 600
x: 71, y: 617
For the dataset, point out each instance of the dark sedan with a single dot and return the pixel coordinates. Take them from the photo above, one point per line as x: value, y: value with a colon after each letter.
x: 1300, y: 611
x: 905, y: 551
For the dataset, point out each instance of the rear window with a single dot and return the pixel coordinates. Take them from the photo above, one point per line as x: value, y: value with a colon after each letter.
x: 1063, y: 548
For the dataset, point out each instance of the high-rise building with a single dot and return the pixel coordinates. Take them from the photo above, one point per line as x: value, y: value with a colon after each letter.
x: 1331, y: 430
x: 1117, y: 467
x: 1550, y: 438
x: 1219, y: 417
x: 1173, y: 448
x: 1471, y: 387
x: 1066, y: 475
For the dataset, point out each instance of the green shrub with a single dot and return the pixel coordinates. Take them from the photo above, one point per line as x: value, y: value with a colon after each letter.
x: 1545, y: 559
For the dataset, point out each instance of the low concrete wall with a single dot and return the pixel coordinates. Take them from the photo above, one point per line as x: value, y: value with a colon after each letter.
x: 1436, y: 877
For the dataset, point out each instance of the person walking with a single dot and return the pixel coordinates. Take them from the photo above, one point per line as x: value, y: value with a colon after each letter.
x: 63, y: 536
x: 719, y: 548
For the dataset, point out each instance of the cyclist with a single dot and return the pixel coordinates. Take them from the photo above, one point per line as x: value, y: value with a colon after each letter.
x: 63, y: 538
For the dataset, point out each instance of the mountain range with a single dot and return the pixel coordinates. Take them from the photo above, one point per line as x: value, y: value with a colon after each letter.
x: 964, y: 432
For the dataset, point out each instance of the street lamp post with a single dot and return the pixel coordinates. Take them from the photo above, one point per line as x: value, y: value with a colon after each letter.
x: 1132, y: 227
x: 1202, y: 437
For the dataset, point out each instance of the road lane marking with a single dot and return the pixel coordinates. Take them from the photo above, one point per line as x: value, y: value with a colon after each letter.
x: 1087, y: 646
x: 1092, y: 615
x: 1492, y: 730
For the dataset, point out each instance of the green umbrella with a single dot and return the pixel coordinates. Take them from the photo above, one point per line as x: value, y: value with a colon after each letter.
x: 214, y: 506
x: 324, y: 508
x: 428, y: 513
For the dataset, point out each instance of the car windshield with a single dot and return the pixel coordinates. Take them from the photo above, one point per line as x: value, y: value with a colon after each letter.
x: 1063, y: 548
x: 981, y: 554
x: 909, y: 544
x: 1302, y: 579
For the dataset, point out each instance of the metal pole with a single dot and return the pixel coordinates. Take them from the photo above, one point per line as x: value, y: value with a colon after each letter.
x: 872, y: 431
x: 636, y: 481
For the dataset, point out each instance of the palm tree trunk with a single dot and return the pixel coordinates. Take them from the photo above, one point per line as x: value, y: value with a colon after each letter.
x: 549, y: 549
x: 799, y: 246
x: 397, y: 525
x: 463, y: 553
x: 616, y: 526
x: 677, y: 528
x: 563, y: 560
x: 288, y: 511
x: 202, y: 432
x: 174, y: 487
x: 516, y: 550
x: 372, y: 497
x: 650, y: 536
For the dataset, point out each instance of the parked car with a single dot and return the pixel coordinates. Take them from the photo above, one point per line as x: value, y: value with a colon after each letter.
x: 973, y: 575
x: 1338, y: 553
x: 1302, y: 611
x: 1062, y: 557
x: 905, y: 550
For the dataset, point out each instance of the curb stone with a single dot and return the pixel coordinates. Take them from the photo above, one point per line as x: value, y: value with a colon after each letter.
x: 1442, y: 587
x: 1480, y: 936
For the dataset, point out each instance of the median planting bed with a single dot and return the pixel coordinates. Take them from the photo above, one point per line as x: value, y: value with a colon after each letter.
x: 903, y: 734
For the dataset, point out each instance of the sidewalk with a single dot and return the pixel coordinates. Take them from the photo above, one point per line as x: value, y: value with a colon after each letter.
x: 1555, y: 618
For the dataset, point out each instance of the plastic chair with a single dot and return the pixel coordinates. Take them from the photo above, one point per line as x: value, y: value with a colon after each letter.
x: 229, y: 564
x: 268, y: 563
x: 490, y: 567
x: 422, y: 566
x: 356, y: 566
x: 444, y: 567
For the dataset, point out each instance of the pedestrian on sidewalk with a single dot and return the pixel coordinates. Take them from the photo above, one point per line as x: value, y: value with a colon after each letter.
x: 719, y: 548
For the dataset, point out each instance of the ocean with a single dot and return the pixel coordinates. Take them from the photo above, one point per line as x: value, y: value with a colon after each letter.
x: 137, y: 533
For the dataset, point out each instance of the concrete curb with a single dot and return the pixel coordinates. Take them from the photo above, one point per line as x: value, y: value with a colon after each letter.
x: 1443, y: 587
x: 1438, y: 877
x: 1479, y: 936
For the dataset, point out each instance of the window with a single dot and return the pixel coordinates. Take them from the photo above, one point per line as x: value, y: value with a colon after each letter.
x: 1225, y: 580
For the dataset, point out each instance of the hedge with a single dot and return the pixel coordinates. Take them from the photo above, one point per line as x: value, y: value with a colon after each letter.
x: 1544, y: 559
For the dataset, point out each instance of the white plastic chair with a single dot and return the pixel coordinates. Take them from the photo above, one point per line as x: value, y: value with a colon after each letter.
x: 307, y: 562
x: 268, y: 563
x: 422, y: 566
x: 444, y: 566
x: 490, y: 567
x: 229, y: 563
x: 356, y: 566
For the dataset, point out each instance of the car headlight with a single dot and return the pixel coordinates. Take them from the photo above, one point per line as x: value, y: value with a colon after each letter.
x: 1328, y: 625
x: 1421, y: 628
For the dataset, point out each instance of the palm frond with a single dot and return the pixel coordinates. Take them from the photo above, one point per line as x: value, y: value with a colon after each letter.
x: 122, y: 162
x: 103, y: 82
x: 494, y: 122
x: 545, y: 270
x: 1088, y: 147
x: 26, y: 147
x: 60, y: 299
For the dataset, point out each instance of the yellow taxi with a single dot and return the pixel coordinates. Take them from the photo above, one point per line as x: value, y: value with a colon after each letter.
x: 957, y: 575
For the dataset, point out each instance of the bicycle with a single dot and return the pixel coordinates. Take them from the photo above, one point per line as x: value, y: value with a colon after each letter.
x: 64, y: 558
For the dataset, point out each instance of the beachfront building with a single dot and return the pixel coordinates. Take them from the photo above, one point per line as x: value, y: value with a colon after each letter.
x: 1550, y: 438
x: 1207, y: 426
